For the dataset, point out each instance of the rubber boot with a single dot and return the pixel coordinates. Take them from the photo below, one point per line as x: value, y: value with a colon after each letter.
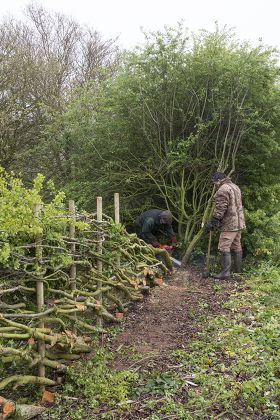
x: 237, y: 261
x: 226, y: 264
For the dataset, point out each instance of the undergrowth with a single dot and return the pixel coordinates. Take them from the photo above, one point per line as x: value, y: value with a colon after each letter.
x: 91, y: 386
x: 236, y: 359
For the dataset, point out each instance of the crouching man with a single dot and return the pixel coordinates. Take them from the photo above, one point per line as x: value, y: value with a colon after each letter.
x: 229, y: 217
x: 154, y: 223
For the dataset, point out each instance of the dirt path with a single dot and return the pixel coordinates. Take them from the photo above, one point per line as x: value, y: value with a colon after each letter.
x: 166, y: 319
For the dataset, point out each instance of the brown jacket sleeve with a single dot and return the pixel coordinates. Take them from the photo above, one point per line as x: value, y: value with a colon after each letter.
x: 221, y: 203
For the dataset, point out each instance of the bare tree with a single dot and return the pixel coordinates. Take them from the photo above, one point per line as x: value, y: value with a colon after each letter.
x: 40, y: 61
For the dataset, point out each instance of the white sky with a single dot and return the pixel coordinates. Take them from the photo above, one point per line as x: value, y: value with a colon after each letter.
x: 251, y: 19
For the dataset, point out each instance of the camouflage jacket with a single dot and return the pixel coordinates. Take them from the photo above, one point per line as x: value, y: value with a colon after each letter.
x: 228, y: 207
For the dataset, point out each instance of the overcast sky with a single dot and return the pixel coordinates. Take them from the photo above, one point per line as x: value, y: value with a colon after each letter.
x: 251, y: 19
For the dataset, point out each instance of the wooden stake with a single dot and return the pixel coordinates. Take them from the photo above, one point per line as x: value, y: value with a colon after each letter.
x: 117, y: 219
x: 117, y: 207
x: 99, y: 250
x: 206, y: 272
x: 73, y: 268
x: 40, y: 295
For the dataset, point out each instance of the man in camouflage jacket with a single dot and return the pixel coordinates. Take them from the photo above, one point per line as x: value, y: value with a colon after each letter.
x: 229, y: 217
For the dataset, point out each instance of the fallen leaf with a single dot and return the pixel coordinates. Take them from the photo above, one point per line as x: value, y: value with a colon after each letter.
x: 119, y: 315
x: 80, y: 307
x: 146, y: 271
x: 158, y: 281
x: 54, y: 340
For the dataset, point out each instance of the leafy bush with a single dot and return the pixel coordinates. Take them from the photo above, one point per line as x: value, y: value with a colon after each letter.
x: 262, y: 238
x: 19, y: 227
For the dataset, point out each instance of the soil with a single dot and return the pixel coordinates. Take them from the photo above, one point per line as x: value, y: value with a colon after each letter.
x: 166, y: 319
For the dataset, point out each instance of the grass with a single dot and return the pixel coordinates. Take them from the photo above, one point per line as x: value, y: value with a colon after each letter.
x: 236, y: 359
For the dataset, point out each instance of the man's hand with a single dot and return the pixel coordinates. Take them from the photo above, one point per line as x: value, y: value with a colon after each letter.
x: 155, y: 244
x: 173, y: 241
x: 210, y: 225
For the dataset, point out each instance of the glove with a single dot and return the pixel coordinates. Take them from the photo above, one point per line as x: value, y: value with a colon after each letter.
x: 167, y: 247
x: 210, y: 225
x: 155, y: 244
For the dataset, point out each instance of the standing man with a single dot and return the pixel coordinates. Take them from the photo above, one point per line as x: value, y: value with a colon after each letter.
x: 228, y: 215
x: 153, y: 223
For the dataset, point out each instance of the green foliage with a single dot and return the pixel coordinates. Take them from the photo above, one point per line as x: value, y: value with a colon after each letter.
x: 70, y: 134
x: 173, y: 408
x: 96, y: 385
x: 199, y: 102
x: 178, y: 109
x: 158, y: 383
x: 262, y: 238
x: 20, y: 227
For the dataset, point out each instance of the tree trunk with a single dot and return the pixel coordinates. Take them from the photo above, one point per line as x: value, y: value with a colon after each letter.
x: 191, y: 246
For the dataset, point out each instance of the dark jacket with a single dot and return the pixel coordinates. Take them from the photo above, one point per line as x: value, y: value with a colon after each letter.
x: 228, y: 207
x: 149, y: 228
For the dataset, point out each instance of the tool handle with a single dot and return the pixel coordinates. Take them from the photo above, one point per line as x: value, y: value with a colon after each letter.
x: 209, y: 251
